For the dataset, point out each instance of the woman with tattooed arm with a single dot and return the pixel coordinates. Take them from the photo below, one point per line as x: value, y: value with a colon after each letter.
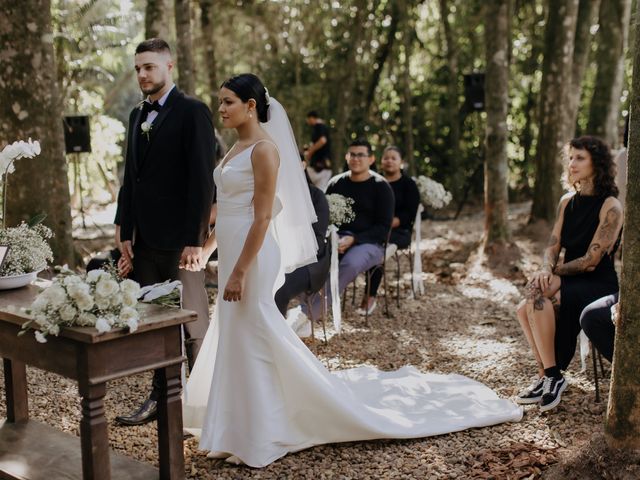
x: 587, y: 227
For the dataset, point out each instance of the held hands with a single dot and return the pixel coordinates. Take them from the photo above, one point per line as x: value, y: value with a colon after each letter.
x: 234, y: 288
x: 191, y: 259
x: 125, y: 267
x: 345, y: 243
x: 125, y: 264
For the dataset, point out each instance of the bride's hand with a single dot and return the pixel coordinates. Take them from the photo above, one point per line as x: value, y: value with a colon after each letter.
x: 234, y: 288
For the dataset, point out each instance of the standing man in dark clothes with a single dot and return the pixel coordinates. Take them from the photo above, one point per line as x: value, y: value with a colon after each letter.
x: 407, y: 199
x: 318, y: 155
x: 361, y: 241
x: 165, y: 200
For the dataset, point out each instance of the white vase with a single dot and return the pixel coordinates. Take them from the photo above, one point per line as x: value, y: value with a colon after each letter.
x: 17, y: 281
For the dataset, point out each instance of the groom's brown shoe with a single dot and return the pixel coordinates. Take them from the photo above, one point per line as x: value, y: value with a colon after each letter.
x: 145, y: 414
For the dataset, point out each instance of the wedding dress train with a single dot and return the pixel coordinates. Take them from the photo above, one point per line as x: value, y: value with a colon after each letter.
x: 257, y: 392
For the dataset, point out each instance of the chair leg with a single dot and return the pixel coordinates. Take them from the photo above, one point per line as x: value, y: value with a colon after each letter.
x: 412, y: 259
x: 595, y: 372
x: 323, y: 293
x: 309, y: 302
x: 386, y: 290
x: 367, y: 290
x: 601, y: 365
x: 353, y: 298
x: 397, y: 258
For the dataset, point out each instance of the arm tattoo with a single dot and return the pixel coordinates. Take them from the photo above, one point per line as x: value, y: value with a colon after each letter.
x: 602, y: 241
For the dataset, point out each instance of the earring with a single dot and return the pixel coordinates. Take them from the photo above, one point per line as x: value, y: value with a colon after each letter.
x: 251, y: 115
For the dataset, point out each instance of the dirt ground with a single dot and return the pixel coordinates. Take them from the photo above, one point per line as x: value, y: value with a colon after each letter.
x: 464, y: 323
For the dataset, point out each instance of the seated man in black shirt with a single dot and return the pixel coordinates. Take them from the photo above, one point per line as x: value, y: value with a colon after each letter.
x: 362, y: 241
x: 407, y: 199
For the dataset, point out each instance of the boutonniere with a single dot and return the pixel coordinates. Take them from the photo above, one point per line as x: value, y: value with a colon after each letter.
x: 146, y: 128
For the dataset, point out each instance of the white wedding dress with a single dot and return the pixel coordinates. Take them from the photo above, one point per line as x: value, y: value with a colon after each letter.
x: 257, y: 392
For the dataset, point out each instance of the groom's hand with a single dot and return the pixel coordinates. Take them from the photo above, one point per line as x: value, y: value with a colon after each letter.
x: 127, y: 251
x: 190, y: 259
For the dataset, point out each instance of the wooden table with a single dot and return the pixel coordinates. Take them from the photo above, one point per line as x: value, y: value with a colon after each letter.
x: 32, y: 450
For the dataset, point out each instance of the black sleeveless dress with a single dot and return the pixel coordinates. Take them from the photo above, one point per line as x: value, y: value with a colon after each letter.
x: 581, y: 220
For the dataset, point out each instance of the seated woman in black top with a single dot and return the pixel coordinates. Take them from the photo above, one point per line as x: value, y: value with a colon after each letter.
x: 588, y: 227
x: 310, y: 278
x: 407, y: 199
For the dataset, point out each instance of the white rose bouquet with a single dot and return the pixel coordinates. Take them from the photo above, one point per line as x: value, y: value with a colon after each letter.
x: 98, y: 299
x: 432, y: 193
x: 28, y: 249
x: 340, y: 209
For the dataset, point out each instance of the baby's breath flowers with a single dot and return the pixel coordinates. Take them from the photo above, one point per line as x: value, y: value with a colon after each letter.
x: 432, y: 193
x: 28, y: 249
x: 340, y: 209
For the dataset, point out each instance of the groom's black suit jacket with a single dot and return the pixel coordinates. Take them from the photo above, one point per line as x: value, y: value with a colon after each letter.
x: 168, y: 182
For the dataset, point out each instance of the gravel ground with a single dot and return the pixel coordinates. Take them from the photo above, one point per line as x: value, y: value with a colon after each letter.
x: 465, y: 324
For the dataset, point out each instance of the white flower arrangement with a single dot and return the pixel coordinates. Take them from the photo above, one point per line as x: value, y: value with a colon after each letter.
x: 28, y: 249
x: 432, y: 193
x: 98, y: 299
x: 340, y: 209
x: 12, y: 152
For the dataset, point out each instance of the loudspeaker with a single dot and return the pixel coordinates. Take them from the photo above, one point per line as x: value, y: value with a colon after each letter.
x: 474, y: 91
x: 77, y: 134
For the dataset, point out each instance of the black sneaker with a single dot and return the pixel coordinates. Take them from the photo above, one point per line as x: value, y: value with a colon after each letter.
x: 551, y: 392
x: 532, y: 394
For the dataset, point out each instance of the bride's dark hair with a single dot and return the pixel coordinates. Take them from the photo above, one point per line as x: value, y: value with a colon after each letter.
x: 247, y: 86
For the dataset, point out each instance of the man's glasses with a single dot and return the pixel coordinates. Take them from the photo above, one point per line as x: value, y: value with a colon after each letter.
x: 359, y: 156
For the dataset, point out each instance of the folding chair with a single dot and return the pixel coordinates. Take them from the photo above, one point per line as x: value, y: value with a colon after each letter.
x: 594, y: 353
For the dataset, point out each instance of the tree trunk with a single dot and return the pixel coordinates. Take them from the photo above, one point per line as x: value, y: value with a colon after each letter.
x: 30, y: 106
x: 156, y: 24
x: 604, y: 111
x: 554, y: 130
x: 587, y: 11
x: 207, y: 22
x: 623, y: 413
x: 452, y: 104
x: 184, y: 50
x: 407, y: 96
x: 346, y: 87
x: 496, y: 167
x: 382, y: 55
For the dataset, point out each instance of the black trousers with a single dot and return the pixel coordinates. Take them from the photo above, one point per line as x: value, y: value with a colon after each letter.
x: 295, y: 283
x: 596, y: 322
x: 151, y: 265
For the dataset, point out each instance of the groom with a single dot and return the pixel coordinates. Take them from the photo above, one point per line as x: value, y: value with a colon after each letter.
x: 167, y: 191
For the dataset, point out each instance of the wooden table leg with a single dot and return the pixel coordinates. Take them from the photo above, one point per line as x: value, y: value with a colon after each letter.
x: 94, y: 437
x: 15, y: 383
x: 170, y: 447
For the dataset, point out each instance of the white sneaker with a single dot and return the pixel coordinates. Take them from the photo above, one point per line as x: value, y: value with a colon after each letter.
x: 362, y: 312
x: 391, y: 249
x: 299, y: 322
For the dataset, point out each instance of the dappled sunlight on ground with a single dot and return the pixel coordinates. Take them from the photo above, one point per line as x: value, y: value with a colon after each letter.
x: 464, y: 324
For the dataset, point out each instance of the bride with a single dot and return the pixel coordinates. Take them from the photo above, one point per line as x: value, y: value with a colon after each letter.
x: 256, y: 392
